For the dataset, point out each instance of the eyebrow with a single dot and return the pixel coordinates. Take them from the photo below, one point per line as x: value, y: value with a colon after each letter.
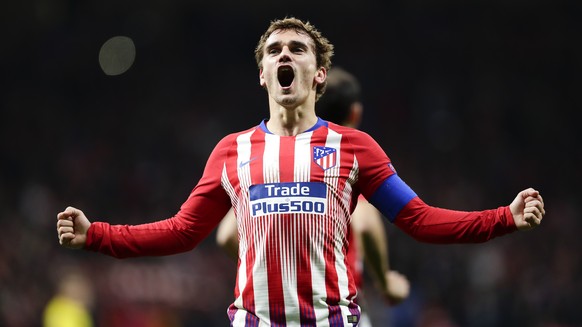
x: 293, y: 44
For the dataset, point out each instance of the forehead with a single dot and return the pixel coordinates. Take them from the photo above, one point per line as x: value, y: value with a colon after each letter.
x: 287, y: 36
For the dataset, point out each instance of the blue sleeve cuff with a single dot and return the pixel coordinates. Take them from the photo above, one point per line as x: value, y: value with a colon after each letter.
x: 391, y: 196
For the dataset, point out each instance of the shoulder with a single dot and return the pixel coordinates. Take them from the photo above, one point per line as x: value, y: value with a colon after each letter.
x: 228, y: 145
x: 230, y: 139
x: 357, y: 139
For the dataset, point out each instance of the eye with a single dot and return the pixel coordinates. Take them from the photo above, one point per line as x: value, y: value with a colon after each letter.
x: 273, y: 51
x: 299, y: 50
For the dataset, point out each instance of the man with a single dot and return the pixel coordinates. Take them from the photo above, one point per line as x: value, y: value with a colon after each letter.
x: 71, y: 305
x: 293, y: 182
x: 341, y: 104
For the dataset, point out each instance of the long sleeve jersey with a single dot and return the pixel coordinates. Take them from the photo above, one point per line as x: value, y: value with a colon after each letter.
x: 293, y: 197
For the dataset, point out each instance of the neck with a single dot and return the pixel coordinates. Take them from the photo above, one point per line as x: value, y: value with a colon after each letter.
x: 291, y: 121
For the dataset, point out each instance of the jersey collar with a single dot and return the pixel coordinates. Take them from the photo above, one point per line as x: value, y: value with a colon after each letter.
x: 320, y: 122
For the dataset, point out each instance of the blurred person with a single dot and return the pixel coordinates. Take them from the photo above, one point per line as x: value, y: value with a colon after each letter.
x: 293, y: 182
x: 71, y: 305
x: 341, y: 104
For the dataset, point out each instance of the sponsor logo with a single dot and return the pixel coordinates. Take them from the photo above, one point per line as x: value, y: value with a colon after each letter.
x: 324, y: 157
x: 299, y: 197
x: 244, y: 163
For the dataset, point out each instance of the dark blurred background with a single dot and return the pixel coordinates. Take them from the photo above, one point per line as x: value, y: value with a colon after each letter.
x: 473, y: 102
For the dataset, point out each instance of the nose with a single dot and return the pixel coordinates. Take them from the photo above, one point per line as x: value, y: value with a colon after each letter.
x: 285, y: 55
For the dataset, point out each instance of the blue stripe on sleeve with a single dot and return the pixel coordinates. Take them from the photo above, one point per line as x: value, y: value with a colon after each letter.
x: 391, y: 196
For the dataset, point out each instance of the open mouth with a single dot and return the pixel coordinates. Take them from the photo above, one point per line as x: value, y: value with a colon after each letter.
x: 285, y: 75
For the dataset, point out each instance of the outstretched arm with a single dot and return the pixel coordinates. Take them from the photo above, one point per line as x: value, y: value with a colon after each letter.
x: 198, y: 216
x: 382, y: 186
x: 369, y: 230
x: 430, y: 224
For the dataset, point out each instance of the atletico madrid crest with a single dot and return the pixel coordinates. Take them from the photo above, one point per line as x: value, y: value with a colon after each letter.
x: 324, y: 157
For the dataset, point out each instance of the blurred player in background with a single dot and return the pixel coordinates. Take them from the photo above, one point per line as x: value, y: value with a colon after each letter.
x: 341, y: 104
x: 71, y: 305
x: 294, y: 181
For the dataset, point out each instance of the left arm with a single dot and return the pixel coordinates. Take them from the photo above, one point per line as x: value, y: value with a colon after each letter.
x: 380, y: 184
x: 436, y: 225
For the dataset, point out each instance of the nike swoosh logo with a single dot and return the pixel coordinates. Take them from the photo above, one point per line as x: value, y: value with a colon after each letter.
x: 244, y: 163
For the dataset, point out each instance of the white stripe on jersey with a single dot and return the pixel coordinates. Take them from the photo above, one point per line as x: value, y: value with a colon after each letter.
x: 303, y: 157
x: 260, y: 272
x: 320, y: 307
x: 240, y: 315
x: 271, y: 158
x: 243, y: 160
x: 289, y: 273
x: 244, y: 152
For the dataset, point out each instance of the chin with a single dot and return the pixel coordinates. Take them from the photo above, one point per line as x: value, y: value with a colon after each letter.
x: 288, y: 104
x: 286, y: 100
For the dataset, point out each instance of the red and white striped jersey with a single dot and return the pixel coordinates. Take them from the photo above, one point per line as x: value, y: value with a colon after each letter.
x: 293, y: 197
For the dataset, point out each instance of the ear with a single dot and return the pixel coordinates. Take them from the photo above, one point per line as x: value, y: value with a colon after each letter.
x: 261, y: 78
x: 320, y: 75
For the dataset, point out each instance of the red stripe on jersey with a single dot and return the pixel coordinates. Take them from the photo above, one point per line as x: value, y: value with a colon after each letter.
x: 257, y: 151
x: 346, y: 164
x: 287, y: 159
x: 317, y: 139
x: 248, y: 296
x: 231, y: 166
x: 353, y: 263
x: 275, y: 278
x: 331, y: 277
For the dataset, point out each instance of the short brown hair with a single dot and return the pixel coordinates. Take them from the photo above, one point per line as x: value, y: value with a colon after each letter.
x: 323, y: 48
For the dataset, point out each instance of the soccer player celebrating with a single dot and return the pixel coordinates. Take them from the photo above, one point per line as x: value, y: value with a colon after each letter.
x: 367, y: 240
x: 293, y: 182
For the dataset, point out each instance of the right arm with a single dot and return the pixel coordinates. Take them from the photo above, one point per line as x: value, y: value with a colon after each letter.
x: 197, y: 217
